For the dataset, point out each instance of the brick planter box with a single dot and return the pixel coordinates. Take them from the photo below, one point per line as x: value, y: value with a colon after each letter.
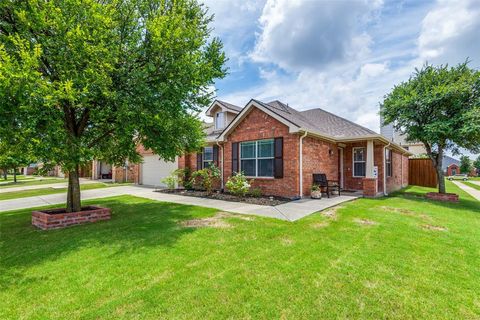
x: 447, y: 197
x: 58, y: 218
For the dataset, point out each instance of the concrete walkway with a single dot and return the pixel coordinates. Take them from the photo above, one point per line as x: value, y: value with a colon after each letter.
x: 290, y: 211
x: 58, y: 185
x: 473, y: 192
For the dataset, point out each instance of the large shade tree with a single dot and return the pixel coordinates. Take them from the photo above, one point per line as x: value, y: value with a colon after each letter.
x: 440, y: 107
x: 99, y: 77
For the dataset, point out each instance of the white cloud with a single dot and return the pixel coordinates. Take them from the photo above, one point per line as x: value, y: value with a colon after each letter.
x: 299, y: 34
x: 450, y: 32
x: 342, y: 56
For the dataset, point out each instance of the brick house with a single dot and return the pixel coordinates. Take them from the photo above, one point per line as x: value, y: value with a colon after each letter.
x: 280, y: 148
x: 452, y: 170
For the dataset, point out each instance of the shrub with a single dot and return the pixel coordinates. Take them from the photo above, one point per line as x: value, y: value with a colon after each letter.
x: 171, y: 181
x: 183, y: 176
x: 315, y: 187
x: 256, y: 192
x: 206, y: 178
x: 238, y: 185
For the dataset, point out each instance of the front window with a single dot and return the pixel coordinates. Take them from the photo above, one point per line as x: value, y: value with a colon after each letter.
x: 388, y: 162
x: 207, y: 156
x: 256, y: 158
x: 359, y: 163
x: 219, y: 120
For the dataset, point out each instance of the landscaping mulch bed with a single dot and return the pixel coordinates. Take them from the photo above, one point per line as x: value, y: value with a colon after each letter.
x: 263, y: 200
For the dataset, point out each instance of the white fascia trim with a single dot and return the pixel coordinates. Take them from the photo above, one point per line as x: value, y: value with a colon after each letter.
x: 394, y: 145
x: 252, y: 104
x: 214, y: 103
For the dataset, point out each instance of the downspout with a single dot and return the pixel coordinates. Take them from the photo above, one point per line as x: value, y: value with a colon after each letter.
x: 301, y: 163
x: 220, y: 164
x: 385, y: 169
x: 126, y: 171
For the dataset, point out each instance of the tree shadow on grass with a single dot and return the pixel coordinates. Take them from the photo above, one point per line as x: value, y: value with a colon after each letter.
x: 136, y: 223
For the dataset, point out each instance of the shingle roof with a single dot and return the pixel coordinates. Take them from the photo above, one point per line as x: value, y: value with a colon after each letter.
x: 209, y: 130
x: 318, y: 120
x: 230, y: 106
x: 447, y: 161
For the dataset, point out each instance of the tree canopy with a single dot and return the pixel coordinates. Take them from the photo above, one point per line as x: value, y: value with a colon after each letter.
x: 476, y: 164
x: 440, y: 107
x: 465, y: 164
x: 92, y: 79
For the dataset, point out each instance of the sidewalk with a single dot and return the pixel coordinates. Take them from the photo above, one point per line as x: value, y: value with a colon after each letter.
x: 58, y: 185
x: 473, y: 192
x: 290, y: 211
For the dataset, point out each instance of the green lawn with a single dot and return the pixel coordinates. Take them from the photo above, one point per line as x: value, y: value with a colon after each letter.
x: 473, y: 185
x: 19, y: 177
x: 399, y: 257
x: 30, y: 182
x: 46, y: 191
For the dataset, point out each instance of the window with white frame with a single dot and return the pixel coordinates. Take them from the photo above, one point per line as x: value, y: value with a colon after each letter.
x: 256, y: 158
x: 207, y: 156
x: 219, y: 120
x: 359, y: 163
x: 388, y: 162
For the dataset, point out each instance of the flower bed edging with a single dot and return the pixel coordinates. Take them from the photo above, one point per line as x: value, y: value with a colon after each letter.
x: 447, y: 197
x: 57, y: 218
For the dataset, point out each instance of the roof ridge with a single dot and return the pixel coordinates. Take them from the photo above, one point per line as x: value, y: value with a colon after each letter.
x: 351, y: 122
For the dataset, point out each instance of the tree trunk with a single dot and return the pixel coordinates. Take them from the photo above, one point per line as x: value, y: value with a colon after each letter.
x: 441, y: 179
x: 4, y: 174
x: 15, y: 175
x: 73, y: 195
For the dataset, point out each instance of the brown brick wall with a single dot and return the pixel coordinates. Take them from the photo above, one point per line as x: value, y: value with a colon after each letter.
x: 317, y: 159
x: 118, y: 173
x: 370, y: 187
x: 395, y: 181
x: 258, y: 125
x: 351, y: 183
x: 46, y: 221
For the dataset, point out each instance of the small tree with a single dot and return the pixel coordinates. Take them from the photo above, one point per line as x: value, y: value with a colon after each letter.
x: 440, y: 107
x: 476, y: 164
x: 465, y: 164
x: 93, y: 79
x: 14, y: 150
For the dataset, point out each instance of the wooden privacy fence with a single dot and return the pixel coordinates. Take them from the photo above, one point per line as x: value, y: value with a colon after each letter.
x: 421, y: 172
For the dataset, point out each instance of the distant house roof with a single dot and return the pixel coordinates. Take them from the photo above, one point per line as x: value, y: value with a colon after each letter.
x: 448, y: 161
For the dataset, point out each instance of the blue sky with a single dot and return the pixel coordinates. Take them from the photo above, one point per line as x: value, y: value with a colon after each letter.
x: 342, y: 56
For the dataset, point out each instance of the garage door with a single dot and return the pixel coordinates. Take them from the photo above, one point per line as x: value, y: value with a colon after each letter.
x: 154, y: 170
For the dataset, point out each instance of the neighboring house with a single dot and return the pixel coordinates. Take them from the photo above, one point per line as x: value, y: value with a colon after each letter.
x: 450, y: 166
x: 416, y: 148
x: 452, y: 170
x: 281, y: 148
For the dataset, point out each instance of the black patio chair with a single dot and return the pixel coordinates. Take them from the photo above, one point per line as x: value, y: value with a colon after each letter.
x: 320, y: 179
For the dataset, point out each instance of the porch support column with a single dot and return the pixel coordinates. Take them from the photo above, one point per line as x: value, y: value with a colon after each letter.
x: 370, y: 157
x: 370, y: 184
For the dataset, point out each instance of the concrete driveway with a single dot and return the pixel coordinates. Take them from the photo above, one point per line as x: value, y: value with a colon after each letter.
x: 290, y: 211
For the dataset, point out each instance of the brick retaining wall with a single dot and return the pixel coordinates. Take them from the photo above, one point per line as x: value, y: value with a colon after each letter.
x: 49, y: 219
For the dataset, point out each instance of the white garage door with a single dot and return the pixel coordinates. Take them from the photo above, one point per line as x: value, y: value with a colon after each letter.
x: 154, y: 170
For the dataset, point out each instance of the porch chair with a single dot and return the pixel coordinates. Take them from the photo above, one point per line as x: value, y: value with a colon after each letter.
x: 320, y: 179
